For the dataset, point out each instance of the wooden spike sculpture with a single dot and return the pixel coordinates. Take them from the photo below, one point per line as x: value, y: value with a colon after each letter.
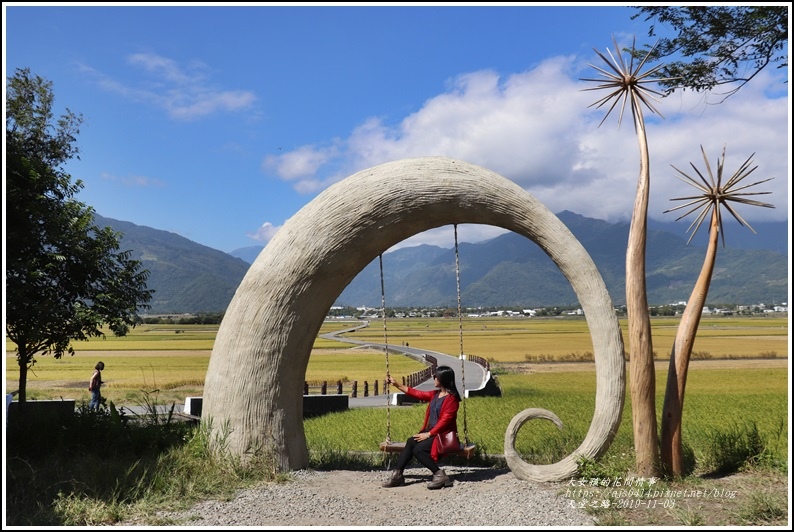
x: 714, y: 195
x: 628, y: 85
x: 625, y: 81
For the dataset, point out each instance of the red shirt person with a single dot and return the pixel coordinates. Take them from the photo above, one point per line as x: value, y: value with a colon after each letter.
x: 440, y: 419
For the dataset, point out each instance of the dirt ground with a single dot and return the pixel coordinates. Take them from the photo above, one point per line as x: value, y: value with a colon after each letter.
x: 758, y: 498
x: 494, y: 498
x: 742, y: 499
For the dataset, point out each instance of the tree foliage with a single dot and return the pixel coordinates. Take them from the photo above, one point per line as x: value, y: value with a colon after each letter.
x: 720, y: 45
x: 65, y: 277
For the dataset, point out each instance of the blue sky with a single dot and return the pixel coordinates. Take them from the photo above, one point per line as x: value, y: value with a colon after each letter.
x: 219, y: 122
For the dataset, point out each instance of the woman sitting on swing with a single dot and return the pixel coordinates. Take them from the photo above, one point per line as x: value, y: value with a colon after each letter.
x: 440, y: 418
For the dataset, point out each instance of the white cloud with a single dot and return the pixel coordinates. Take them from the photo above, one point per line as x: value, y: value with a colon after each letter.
x: 536, y: 129
x: 264, y: 233
x: 165, y: 68
x: 182, y: 92
x: 137, y: 181
x: 301, y: 167
x: 444, y: 237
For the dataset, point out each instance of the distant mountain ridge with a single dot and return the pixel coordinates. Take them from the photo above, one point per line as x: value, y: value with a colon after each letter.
x: 508, y: 270
x: 511, y: 270
x: 187, y: 277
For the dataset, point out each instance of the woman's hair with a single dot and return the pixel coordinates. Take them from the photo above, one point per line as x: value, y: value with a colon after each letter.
x: 446, y: 378
x: 100, y: 366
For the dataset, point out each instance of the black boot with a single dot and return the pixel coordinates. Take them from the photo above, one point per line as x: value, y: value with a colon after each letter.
x: 440, y: 480
x: 397, y: 479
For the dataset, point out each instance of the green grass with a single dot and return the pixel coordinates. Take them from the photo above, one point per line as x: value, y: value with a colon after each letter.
x: 101, y: 469
x: 65, y: 475
x: 761, y: 509
x: 741, y: 406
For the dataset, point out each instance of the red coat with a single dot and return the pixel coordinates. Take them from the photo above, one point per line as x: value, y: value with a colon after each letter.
x: 447, y: 418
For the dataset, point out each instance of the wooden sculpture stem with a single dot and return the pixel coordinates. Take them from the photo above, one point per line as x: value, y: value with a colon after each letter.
x: 642, y: 374
x: 672, y: 412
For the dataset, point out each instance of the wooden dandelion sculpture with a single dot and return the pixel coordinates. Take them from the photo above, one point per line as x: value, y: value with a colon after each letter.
x: 714, y: 195
x: 629, y: 85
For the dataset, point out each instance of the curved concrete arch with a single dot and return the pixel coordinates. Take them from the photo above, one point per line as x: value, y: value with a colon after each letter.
x: 253, y: 391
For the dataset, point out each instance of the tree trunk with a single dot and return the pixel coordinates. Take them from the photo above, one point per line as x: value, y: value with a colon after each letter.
x: 672, y: 412
x: 642, y: 374
x: 22, y: 360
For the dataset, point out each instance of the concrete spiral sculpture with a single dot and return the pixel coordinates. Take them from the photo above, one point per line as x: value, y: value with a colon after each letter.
x: 253, y: 392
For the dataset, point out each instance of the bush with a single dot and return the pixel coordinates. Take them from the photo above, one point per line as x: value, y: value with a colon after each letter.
x: 731, y: 450
x: 82, y: 470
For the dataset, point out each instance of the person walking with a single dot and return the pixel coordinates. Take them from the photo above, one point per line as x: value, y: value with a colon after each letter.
x: 440, y: 418
x: 94, y: 385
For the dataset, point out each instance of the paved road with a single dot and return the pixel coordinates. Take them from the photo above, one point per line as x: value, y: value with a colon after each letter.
x: 473, y: 373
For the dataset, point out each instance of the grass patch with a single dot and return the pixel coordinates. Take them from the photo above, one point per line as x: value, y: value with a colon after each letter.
x: 710, y: 420
x: 762, y: 509
x: 100, y: 468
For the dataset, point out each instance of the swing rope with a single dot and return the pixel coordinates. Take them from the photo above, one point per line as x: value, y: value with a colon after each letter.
x: 386, y: 347
x: 388, y: 446
x: 460, y: 327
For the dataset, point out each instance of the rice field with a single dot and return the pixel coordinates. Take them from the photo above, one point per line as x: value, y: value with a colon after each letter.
x: 717, y: 401
x: 172, y: 360
x: 568, y: 339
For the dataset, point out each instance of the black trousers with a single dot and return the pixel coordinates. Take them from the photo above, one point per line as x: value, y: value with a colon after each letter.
x: 419, y: 450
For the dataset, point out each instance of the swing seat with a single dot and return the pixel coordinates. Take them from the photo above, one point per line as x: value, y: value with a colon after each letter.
x: 466, y: 450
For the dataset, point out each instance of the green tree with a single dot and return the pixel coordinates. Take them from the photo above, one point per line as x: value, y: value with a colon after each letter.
x: 65, y: 277
x: 719, y: 45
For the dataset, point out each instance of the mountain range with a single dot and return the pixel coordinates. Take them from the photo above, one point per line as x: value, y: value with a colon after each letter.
x: 186, y: 277
x: 508, y: 270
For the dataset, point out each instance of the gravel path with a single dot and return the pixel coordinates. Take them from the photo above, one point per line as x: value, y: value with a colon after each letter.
x: 479, y: 497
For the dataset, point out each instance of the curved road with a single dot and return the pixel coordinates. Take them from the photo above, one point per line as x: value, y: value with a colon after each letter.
x: 475, y: 375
